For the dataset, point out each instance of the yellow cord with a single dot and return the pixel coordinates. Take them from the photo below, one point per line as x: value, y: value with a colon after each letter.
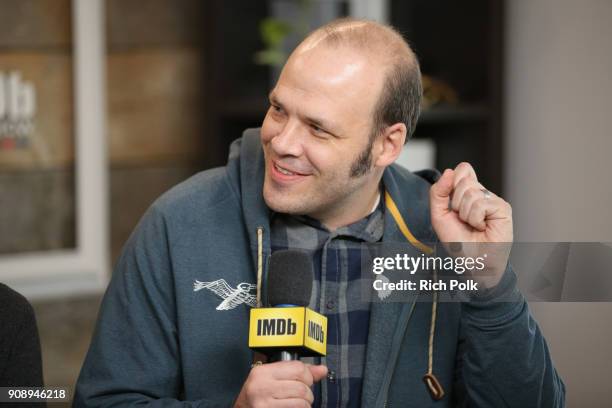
x: 397, y: 216
x: 434, y: 386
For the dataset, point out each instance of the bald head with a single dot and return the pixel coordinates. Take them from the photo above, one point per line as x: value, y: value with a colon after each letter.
x: 400, y: 97
x: 364, y: 35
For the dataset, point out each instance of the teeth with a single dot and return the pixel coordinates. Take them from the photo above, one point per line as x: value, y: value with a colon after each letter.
x: 283, y: 171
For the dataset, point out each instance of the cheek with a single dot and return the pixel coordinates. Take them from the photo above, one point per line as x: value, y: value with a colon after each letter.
x: 325, y: 159
x: 269, y: 128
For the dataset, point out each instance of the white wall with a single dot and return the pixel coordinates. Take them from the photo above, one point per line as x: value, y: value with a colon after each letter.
x: 558, y: 154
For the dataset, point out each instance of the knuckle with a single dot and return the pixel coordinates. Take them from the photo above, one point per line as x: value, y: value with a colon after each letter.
x: 470, y: 194
x: 309, y: 380
x: 465, y: 181
x: 479, y: 205
x: 295, y: 365
x: 305, y: 392
x: 257, y: 372
x: 465, y: 167
x: 461, y: 181
x: 474, y: 218
x: 293, y: 368
x: 468, y: 186
x: 250, y: 391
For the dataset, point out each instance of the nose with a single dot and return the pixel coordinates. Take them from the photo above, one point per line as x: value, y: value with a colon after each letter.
x: 288, y: 141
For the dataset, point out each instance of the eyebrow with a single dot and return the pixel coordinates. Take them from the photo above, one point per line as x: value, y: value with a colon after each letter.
x: 312, y: 120
x: 273, y: 100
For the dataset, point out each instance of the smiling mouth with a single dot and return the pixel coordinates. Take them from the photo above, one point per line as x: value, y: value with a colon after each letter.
x: 285, y: 171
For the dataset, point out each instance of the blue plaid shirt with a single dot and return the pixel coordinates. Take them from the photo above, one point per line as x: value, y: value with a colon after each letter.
x: 337, y: 295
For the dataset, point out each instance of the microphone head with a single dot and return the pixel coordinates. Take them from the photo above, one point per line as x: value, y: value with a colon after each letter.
x: 290, y: 277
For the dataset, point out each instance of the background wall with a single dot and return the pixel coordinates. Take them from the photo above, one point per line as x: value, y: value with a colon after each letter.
x: 36, y: 42
x: 155, y: 100
x: 558, y: 145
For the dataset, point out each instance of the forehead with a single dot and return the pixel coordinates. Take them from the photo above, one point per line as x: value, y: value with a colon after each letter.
x: 337, y: 79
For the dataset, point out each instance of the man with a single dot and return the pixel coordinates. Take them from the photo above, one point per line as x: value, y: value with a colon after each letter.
x: 317, y: 175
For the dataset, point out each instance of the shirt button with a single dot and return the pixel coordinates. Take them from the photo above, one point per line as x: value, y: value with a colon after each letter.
x: 331, y: 376
x: 331, y: 304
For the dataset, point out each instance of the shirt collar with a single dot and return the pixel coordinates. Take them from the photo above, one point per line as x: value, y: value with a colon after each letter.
x: 369, y: 229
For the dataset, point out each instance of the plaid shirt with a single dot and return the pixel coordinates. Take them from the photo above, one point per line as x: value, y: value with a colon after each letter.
x: 337, y: 295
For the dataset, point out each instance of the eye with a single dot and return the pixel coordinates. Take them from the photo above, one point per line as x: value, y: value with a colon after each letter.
x: 317, y: 129
x: 319, y: 132
x: 276, y: 113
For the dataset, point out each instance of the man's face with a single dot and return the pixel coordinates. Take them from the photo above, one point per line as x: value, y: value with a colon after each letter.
x: 317, y: 133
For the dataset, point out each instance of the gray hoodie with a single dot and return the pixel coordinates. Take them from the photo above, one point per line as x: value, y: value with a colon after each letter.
x: 160, y: 342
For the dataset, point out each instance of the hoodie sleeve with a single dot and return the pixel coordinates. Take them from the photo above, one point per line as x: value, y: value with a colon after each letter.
x: 134, y: 357
x: 504, y: 360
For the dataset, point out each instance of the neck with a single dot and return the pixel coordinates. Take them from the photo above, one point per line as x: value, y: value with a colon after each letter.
x: 353, y: 211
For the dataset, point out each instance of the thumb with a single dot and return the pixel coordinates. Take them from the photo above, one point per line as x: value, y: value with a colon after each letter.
x: 440, y: 192
x: 318, y: 372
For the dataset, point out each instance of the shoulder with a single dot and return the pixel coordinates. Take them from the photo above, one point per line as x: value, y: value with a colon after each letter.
x: 207, y: 190
x: 11, y: 301
x: 413, y: 184
x: 408, y: 193
x: 15, y: 311
x: 424, y: 178
x: 20, y: 359
x: 187, y: 213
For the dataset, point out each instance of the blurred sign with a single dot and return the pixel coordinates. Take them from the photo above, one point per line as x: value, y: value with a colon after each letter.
x: 17, y: 110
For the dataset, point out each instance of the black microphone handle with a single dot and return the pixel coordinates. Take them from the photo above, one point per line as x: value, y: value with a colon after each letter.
x: 284, y: 356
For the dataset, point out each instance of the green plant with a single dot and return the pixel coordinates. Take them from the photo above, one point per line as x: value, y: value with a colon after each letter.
x: 273, y: 32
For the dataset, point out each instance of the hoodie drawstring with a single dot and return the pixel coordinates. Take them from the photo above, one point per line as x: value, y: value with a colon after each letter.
x: 435, y: 388
x: 259, y: 263
x: 433, y: 385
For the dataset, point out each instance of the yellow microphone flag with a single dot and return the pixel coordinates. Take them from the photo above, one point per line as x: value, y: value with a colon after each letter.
x: 288, y: 328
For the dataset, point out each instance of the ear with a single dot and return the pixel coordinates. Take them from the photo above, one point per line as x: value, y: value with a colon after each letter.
x: 389, y: 144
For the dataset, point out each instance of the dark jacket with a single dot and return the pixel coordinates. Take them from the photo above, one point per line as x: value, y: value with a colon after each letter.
x: 159, y: 341
x: 20, y: 359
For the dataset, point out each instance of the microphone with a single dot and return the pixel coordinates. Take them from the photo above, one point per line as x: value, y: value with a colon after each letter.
x: 288, y: 329
x: 290, y: 278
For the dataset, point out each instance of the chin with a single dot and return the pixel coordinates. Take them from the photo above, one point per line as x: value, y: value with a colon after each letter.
x: 280, y: 204
x: 284, y: 203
